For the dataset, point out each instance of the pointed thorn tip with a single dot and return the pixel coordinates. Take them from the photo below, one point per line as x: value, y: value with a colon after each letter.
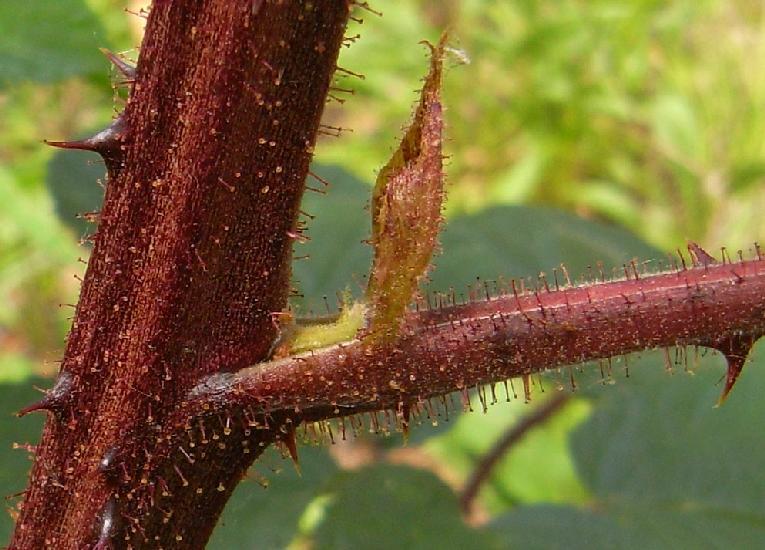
x: 736, y: 351
x: 79, y: 144
x: 290, y: 441
x: 41, y: 405
x: 54, y: 399
x: 126, y: 69
x: 735, y: 366
x: 107, y: 143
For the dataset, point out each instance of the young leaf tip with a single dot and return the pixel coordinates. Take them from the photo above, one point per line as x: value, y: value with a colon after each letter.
x: 406, y: 209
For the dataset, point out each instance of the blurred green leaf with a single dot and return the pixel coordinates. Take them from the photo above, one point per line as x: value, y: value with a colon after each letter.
x: 15, y: 368
x: 48, y: 40
x: 611, y: 200
x: 116, y: 21
x: 26, y: 218
x: 337, y: 257
x: 676, y: 127
x: 555, y: 94
x: 520, y: 181
x: 520, y: 242
x: 636, y: 527
x: 26, y: 430
x: 73, y: 181
x: 539, y: 468
x: 660, y: 436
x: 258, y: 517
x: 34, y: 247
x: 387, y: 506
x: 667, y: 469
x: 506, y: 241
x: 747, y: 174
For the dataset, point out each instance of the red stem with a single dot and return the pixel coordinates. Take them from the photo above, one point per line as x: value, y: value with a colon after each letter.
x: 459, y: 347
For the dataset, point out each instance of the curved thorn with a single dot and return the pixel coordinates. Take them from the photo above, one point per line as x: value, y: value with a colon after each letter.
x: 290, y: 441
x: 55, y: 399
x: 107, y: 524
x: 126, y: 69
x: 735, y: 350
x: 107, y: 143
x: 82, y: 144
x: 44, y: 404
x: 699, y: 255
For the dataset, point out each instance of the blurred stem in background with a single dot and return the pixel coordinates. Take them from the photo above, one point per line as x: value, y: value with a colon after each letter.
x: 504, y: 445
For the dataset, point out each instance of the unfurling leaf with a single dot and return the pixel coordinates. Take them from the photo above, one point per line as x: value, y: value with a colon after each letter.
x: 406, y: 210
x: 298, y: 337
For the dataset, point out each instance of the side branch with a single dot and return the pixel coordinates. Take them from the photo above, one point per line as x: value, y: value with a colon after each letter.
x: 440, y: 351
x: 511, y: 437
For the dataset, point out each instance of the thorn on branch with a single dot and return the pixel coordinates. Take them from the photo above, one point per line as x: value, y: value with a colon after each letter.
x: 290, y: 442
x: 55, y: 399
x: 125, y: 69
x: 736, y: 349
x: 108, y: 143
x: 107, y: 524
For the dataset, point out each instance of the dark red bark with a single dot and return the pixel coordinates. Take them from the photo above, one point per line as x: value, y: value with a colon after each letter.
x: 192, y: 256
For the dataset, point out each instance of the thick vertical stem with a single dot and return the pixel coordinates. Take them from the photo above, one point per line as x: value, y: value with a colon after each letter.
x: 206, y: 170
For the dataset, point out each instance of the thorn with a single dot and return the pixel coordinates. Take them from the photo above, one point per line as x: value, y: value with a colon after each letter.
x: 107, y: 143
x: 735, y: 349
x: 125, y: 69
x: 54, y: 399
x: 107, y: 524
x: 290, y: 441
x: 699, y: 255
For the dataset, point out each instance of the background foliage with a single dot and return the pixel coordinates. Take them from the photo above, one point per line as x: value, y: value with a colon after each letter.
x: 578, y: 132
